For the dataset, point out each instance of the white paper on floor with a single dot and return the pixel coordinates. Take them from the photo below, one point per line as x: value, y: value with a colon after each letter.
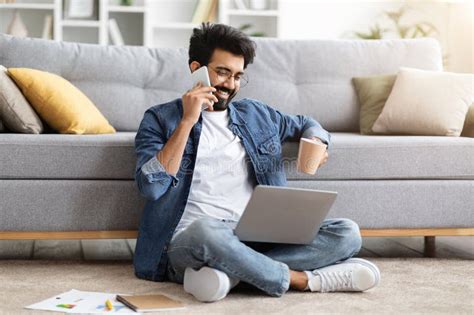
x: 80, y: 302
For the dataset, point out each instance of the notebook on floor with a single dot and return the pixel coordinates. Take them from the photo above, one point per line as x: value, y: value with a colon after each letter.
x: 150, y: 303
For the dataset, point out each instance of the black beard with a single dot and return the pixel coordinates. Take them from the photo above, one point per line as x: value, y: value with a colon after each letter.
x: 222, y: 104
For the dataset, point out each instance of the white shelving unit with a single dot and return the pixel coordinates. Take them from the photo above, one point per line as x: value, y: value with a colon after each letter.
x: 266, y: 21
x: 80, y: 23
x: 171, y: 26
x: 30, y: 6
x: 176, y: 25
x: 154, y: 23
x: 237, y: 12
x: 132, y: 20
x: 125, y: 9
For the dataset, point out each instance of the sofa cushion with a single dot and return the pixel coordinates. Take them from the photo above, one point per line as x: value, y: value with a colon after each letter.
x: 48, y: 156
x: 15, y: 110
x: 372, y: 92
x: 70, y: 205
x: 63, y: 106
x: 106, y: 205
x: 355, y: 156
x: 427, y: 103
x: 468, y: 129
x: 351, y: 156
x: 398, y: 204
x: 311, y: 77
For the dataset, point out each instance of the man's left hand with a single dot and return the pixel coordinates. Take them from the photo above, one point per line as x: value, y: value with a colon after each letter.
x: 326, y: 155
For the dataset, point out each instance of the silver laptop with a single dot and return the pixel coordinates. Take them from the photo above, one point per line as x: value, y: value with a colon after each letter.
x: 284, y: 214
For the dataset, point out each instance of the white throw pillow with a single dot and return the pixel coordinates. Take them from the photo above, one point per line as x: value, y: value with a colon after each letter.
x: 426, y: 103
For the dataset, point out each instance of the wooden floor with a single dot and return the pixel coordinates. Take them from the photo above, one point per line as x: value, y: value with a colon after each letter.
x: 460, y: 247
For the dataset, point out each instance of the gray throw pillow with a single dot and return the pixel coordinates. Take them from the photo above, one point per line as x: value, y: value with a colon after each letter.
x: 16, y: 113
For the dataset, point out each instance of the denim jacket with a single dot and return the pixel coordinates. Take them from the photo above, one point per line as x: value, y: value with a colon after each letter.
x: 261, y: 129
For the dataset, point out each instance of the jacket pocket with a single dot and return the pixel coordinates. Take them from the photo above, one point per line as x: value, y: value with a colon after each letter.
x: 270, y: 146
x: 269, y: 155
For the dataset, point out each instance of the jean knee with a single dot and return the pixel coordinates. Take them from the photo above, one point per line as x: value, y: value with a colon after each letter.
x: 349, y: 234
x: 353, y: 237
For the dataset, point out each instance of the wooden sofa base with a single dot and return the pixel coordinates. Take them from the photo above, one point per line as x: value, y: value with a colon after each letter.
x: 428, y: 234
x: 77, y: 235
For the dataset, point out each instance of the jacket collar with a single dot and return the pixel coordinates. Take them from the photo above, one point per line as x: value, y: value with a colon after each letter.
x: 234, y: 115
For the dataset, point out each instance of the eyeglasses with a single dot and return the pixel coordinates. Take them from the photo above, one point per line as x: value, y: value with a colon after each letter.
x: 225, y: 74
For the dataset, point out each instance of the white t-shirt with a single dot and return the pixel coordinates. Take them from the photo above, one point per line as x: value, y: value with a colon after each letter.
x: 221, y: 185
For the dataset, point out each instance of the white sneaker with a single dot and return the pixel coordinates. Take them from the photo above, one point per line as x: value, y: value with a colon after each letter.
x: 354, y: 274
x: 208, y: 284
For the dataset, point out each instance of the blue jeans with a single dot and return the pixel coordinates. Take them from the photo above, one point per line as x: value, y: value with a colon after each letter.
x: 211, y: 242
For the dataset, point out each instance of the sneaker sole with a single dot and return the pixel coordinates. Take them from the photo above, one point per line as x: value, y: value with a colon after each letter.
x: 369, y: 265
x: 206, y: 284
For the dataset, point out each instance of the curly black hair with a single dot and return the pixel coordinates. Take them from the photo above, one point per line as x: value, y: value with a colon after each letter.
x: 209, y: 36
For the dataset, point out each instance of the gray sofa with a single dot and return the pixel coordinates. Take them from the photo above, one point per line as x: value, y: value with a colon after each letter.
x: 70, y: 183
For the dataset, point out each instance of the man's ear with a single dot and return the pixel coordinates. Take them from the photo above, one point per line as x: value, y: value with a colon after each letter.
x: 193, y: 66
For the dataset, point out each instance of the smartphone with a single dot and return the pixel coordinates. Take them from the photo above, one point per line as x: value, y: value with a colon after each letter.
x: 201, y: 75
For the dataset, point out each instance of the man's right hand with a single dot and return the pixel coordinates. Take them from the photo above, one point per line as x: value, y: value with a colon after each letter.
x: 193, y: 101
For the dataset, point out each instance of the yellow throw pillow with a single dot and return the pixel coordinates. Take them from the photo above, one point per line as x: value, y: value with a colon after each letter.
x: 64, y: 107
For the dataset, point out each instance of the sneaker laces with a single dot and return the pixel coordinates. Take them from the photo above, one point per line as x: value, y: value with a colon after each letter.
x: 335, y: 280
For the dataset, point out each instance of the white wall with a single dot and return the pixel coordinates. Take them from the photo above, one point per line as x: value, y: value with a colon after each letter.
x: 324, y: 19
x: 461, y: 39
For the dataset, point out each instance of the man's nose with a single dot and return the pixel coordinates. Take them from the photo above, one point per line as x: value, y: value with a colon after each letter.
x: 229, y: 83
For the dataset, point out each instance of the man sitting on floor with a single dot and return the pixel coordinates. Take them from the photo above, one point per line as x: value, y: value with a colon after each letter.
x: 198, y: 170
